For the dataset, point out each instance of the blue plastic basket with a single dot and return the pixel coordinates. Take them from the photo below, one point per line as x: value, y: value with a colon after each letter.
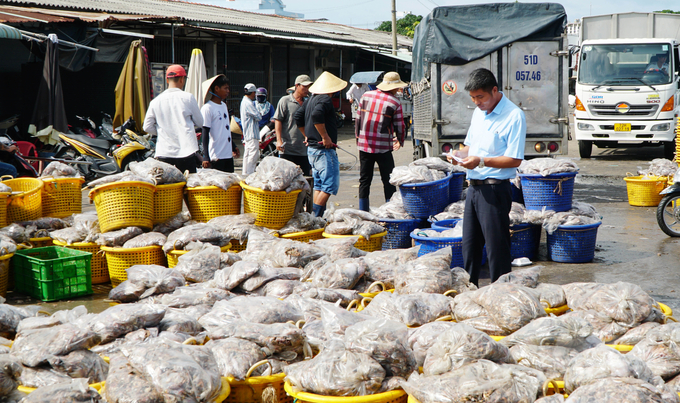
x: 428, y: 245
x: 444, y: 224
x: 524, y: 240
x: 456, y: 186
x: 573, y: 244
x: 422, y: 200
x: 398, y: 232
x: 553, y: 191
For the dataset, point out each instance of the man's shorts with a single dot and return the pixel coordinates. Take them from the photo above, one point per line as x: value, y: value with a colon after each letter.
x: 325, y: 169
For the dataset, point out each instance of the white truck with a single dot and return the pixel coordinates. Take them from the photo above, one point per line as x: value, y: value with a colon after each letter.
x: 627, y: 88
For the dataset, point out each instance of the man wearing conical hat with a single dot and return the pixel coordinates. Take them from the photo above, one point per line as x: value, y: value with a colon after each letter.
x: 316, y: 120
x: 379, y: 130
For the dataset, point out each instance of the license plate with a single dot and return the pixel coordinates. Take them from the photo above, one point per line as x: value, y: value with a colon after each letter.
x: 621, y: 127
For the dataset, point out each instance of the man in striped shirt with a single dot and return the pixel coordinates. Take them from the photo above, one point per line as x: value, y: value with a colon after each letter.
x: 379, y: 130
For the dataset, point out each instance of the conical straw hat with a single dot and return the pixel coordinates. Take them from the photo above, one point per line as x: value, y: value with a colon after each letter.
x: 205, y: 87
x: 327, y: 83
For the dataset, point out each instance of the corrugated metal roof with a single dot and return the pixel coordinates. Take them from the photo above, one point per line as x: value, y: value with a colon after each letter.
x: 8, y: 32
x: 202, y: 13
x: 15, y: 14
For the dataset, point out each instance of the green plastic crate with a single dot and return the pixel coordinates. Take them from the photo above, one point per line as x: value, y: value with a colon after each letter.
x: 52, y: 273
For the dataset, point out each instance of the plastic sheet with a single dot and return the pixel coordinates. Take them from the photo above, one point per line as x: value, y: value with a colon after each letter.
x: 337, y: 371
x: 81, y: 364
x: 230, y: 277
x: 119, y: 320
x: 146, y: 280
x: 201, y: 232
x: 342, y: 273
x: 200, y: 264
x: 77, y: 390
x: 569, y: 331
x: 125, y: 176
x: 460, y: 345
x: 622, y: 390
x: 35, y: 347
x: 161, y: 172
x: 481, y: 381
x: 126, y: 385
x: 213, y: 177
x: 173, y: 223
x: 386, y: 342
x: 277, y: 337
x: 414, y: 174
x: 274, y: 174
x: 144, y: 240
x: 179, y: 372
x: 659, y: 350
x: 266, y: 274
x: 553, y: 361
x: 547, y: 166
x: 235, y: 356
x: 58, y: 169
x: 119, y: 237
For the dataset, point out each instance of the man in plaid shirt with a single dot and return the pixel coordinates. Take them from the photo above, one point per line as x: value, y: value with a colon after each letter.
x: 379, y: 130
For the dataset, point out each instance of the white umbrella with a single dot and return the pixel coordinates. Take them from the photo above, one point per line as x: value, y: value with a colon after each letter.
x: 196, y: 75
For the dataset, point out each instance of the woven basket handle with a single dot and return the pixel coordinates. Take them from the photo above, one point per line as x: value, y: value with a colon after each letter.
x: 352, y: 304
x: 257, y: 365
x: 547, y: 385
x: 365, y: 301
x: 376, y: 284
x: 450, y: 292
x: 3, y: 177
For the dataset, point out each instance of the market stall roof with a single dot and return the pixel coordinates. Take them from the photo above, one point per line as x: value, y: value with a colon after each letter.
x: 456, y: 35
x: 7, y: 32
x: 223, y: 17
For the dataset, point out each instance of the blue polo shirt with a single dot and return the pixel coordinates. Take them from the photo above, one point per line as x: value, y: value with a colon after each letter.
x: 499, y: 133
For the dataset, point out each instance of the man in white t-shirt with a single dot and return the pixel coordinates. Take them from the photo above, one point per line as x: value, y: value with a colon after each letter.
x: 216, y: 137
x: 173, y: 116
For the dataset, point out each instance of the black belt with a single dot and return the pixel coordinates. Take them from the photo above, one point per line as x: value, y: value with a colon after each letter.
x: 489, y: 181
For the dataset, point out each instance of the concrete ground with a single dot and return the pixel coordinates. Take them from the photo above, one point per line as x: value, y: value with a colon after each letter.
x: 630, y: 245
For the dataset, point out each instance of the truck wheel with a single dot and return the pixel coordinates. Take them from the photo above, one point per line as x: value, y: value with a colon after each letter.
x: 585, y: 148
x: 669, y: 150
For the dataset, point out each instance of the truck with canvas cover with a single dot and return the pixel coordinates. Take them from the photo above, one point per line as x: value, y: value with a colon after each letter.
x: 627, y: 88
x: 523, y: 44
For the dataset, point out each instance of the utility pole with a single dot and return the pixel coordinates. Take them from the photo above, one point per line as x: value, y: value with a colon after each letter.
x: 394, y: 27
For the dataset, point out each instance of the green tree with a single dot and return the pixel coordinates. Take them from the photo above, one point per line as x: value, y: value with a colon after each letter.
x: 668, y: 12
x: 405, y: 26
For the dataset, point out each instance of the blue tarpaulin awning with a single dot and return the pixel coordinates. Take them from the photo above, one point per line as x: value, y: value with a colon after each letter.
x: 8, y: 32
x: 366, y: 77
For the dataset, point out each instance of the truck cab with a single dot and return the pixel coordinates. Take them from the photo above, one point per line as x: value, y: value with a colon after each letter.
x: 627, y: 92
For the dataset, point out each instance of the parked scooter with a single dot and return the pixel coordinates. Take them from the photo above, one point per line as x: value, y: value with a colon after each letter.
x: 106, y: 156
x: 668, y: 211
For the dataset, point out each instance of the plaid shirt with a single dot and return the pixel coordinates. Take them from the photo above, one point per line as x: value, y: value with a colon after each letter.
x: 379, y: 120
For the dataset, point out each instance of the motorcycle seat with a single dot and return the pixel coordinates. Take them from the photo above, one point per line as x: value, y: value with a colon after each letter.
x: 98, y: 143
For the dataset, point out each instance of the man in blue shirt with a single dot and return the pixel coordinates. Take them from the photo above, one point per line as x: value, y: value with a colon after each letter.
x: 494, y: 148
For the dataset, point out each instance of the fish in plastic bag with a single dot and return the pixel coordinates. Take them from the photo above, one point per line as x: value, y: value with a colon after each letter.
x: 36, y: 346
x: 274, y: 174
x: 423, y: 337
x: 126, y: 385
x: 276, y: 337
x: 254, y: 309
x: 192, y: 295
x: 339, y: 248
x: 659, y: 350
x: 119, y: 320
x: 174, y: 223
x: 234, y: 226
x: 213, y: 177
x: 150, y: 279
x: 266, y: 274
x: 58, y: 169
x: 235, y: 356
x: 230, y: 277
x: 200, y: 232
x: 161, y: 172
x: 594, y: 364
x: 125, y: 176
x: 510, y: 306
x: 636, y: 334
x: 180, y: 321
x: 200, y: 264
x: 411, y: 309
x: 77, y: 390
x: 119, y: 237
x: 564, y: 331
x: 553, y: 361
x: 81, y: 364
x: 10, y: 373
x: 342, y: 273
x: 524, y: 277
x: 145, y: 240
x: 622, y: 390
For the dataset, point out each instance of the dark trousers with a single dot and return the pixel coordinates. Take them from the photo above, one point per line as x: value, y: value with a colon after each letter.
x: 385, y: 165
x: 183, y: 164
x: 224, y: 165
x: 486, y: 220
x: 300, y: 160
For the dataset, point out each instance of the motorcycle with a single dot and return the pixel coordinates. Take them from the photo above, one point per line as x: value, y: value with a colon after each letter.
x: 668, y: 211
x: 267, y: 139
x: 107, y: 156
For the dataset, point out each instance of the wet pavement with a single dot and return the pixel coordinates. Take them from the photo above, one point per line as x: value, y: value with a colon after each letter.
x: 630, y: 245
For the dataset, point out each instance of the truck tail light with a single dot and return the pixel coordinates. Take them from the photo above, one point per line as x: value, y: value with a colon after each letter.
x: 670, y: 105
x: 552, y: 147
x: 446, y: 148
x: 539, y: 147
x: 579, y: 105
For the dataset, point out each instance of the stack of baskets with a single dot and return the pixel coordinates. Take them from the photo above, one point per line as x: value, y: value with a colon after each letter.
x: 272, y: 209
x: 118, y: 260
x: 99, y: 272
x: 208, y: 202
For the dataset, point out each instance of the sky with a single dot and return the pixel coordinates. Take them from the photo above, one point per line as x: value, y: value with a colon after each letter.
x: 369, y: 13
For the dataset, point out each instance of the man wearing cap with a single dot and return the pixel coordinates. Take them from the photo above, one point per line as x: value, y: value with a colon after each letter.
x: 316, y: 120
x: 289, y: 140
x: 173, y: 116
x: 379, y: 130
x: 251, y: 133
x: 494, y: 148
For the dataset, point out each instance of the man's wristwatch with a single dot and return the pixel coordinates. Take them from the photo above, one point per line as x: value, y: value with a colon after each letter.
x: 481, y: 163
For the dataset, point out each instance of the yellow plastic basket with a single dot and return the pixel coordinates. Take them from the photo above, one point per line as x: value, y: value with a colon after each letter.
x: 173, y: 255
x: 4, y: 200
x: 237, y: 247
x: 208, y: 202
x: 27, y: 204
x: 4, y: 273
x: 305, y: 236
x: 101, y: 388
x: 372, y: 245
x: 645, y: 192
x: 395, y: 396
x: 167, y: 201
x: 273, y: 209
x: 99, y: 268
x: 62, y: 197
x: 120, y: 259
x: 251, y: 389
x: 40, y: 242
x: 124, y: 204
